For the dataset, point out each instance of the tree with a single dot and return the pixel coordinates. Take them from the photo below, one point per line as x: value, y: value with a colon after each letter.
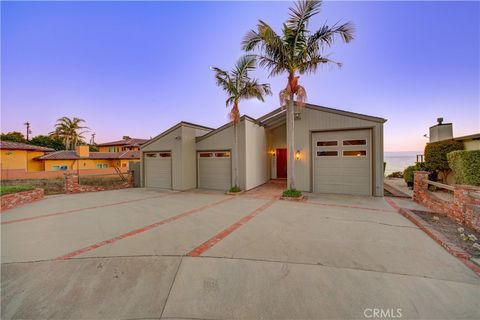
x: 14, y: 136
x: 93, y: 148
x: 48, y: 142
x: 70, y: 131
x: 126, y: 138
x: 238, y: 86
x: 296, y: 50
x: 436, y: 156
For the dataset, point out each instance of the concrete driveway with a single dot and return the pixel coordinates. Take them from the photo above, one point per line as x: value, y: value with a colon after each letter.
x: 147, y: 254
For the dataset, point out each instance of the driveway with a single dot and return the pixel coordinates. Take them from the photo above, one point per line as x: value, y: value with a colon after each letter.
x: 148, y: 254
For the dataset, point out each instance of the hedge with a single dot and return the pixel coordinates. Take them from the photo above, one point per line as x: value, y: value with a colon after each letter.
x: 408, y: 172
x: 465, y: 166
x: 436, y: 155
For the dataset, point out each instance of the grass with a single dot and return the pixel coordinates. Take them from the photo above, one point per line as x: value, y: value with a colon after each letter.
x: 51, y: 186
x: 292, y: 193
x: 14, y: 189
x: 235, y: 189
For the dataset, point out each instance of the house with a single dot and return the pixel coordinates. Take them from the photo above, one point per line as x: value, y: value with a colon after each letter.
x: 129, y: 144
x: 18, y: 158
x: 444, y: 131
x: 335, y: 152
x: 83, y: 159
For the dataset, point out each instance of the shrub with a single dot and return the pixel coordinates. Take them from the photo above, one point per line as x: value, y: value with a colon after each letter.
x: 408, y: 172
x: 292, y: 193
x: 396, y: 174
x: 14, y: 189
x: 436, y: 155
x: 465, y: 166
x: 235, y: 189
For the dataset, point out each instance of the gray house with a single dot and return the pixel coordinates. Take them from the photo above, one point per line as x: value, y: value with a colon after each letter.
x: 336, y: 152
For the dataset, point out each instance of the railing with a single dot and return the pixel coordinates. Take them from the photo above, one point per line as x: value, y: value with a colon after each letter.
x: 441, y: 185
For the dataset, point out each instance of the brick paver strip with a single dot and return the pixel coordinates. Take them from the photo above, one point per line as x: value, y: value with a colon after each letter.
x: 223, y: 234
x: 436, y: 236
x: 81, y: 209
x: 139, y: 230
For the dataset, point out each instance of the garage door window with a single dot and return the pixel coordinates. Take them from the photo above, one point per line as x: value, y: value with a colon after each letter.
x: 355, y: 153
x: 327, y: 153
x: 151, y: 155
x: 206, y: 155
x: 222, y: 154
x: 327, y: 143
x: 164, y: 154
x: 355, y: 142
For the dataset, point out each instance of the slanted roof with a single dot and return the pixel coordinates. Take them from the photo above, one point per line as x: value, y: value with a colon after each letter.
x: 175, y: 127
x: 475, y: 136
x: 72, y: 155
x: 133, y: 142
x: 9, y: 145
x: 225, y: 126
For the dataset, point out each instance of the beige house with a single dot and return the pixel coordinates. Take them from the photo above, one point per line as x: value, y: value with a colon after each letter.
x: 444, y: 131
x: 336, y: 152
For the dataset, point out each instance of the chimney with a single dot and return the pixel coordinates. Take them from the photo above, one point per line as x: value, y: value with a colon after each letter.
x: 441, y: 131
x: 82, y: 151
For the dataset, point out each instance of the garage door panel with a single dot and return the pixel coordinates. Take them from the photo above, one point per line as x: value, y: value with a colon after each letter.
x: 214, y: 172
x: 158, y: 171
x: 349, y: 171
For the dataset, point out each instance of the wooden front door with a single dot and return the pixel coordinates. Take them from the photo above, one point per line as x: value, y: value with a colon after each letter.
x: 281, y: 163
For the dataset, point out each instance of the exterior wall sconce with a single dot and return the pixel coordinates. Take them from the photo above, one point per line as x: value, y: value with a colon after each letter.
x: 298, y: 116
x: 297, y: 155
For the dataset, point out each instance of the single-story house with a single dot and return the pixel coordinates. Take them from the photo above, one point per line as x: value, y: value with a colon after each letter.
x: 128, y: 144
x: 444, y: 132
x: 17, y: 158
x: 336, y: 152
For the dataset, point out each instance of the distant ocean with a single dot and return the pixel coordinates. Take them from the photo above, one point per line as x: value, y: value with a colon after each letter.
x: 398, y: 161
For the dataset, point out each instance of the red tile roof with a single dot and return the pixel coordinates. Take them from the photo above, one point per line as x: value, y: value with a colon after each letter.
x: 72, y: 155
x: 9, y: 145
x: 134, y: 142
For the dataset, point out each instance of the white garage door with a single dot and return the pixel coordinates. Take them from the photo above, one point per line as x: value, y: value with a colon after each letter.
x: 214, y: 170
x: 158, y: 170
x: 342, y: 162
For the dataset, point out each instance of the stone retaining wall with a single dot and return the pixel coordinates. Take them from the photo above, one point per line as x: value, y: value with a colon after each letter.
x: 464, y: 209
x: 12, y: 200
x: 72, y: 185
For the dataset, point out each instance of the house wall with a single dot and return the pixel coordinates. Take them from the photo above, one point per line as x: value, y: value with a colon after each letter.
x: 189, y: 156
x: 277, y: 139
x: 256, y: 155
x: 116, y: 148
x: 21, y: 159
x: 84, y: 164
x: 35, y: 165
x: 224, y: 140
x: 471, y: 144
x: 316, y: 120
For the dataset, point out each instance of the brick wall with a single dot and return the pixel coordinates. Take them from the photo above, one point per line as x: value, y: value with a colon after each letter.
x: 464, y: 209
x: 12, y: 200
x: 72, y: 185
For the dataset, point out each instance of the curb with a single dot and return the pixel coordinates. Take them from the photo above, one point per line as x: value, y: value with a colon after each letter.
x: 439, y: 238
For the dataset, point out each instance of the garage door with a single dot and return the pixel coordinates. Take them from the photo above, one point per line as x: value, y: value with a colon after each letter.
x: 214, y: 170
x: 158, y: 170
x: 342, y: 162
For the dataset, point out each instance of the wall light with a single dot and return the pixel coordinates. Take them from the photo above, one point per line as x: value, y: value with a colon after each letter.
x: 297, y: 155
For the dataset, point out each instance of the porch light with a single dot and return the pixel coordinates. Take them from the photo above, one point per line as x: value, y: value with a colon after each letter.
x: 297, y: 155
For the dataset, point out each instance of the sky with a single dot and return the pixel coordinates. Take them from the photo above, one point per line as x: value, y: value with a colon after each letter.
x: 138, y: 68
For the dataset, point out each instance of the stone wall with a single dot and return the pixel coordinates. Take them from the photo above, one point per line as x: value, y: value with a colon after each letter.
x: 72, y: 185
x: 12, y: 200
x: 464, y: 209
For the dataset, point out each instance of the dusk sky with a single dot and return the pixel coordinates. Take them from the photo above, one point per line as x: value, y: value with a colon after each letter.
x: 139, y: 68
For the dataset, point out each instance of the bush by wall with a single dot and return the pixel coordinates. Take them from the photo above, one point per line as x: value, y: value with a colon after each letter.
x: 465, y: 166
x: 408, y: 172
x: 436, y: 155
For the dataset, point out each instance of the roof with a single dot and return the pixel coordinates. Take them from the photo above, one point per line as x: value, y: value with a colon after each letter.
x: 133, y: 142
x: 72, y: 155
x: 9, y: 145
x: 175, y: 127
x: 475, y: 136
x: 225, y: 126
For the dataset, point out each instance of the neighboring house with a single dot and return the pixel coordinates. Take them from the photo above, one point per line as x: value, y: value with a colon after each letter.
x: 444, y: 131
x: 131, y: 144
x: 83, y: 159
x: 336, y: 152
x: 18, y: 158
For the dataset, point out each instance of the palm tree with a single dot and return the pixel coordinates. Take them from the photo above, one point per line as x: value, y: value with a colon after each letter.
x: 239, y: 86
x: 295, y: 51
x: 70, y: 131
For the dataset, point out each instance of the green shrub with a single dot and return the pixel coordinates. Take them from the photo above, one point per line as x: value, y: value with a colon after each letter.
x: 436, y: 155
x: 465, y: 166
x: 396, y: 174
x: 14, y: 189
x: 235, y: 189
x: 292, y: 193
x: 408, y: 172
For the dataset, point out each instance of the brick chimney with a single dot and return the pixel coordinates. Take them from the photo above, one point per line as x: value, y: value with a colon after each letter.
x: 82, y: 151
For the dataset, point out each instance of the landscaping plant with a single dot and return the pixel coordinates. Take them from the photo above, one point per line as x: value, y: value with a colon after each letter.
x: 14, y: 189
x: 465, y: 166
x: 292, y: 193
x: 436, y: 156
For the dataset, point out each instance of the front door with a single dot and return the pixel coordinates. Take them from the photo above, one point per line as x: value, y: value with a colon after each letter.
x: 281, y: 163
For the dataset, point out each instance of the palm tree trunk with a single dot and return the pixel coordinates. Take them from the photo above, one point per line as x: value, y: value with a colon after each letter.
x: 291, y: 143
x: 235, y: 153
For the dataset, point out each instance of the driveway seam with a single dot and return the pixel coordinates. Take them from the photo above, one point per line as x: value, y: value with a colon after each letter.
x: 171, y: 286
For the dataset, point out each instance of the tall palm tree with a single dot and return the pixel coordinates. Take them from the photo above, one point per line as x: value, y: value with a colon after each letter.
x: 70, y: 131
x: 239, y: 86
x: 295, y: 51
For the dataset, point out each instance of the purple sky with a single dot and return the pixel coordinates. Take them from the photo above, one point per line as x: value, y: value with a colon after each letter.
x: 138, y: 68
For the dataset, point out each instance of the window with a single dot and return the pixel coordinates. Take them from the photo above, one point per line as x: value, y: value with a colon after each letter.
x: 164, y: 154
x: 222, y: 154
x: 111, y: 149
x: 59, y: 168
x: 151, y: 155
x: 102, y: 165
x: 326, y: 143
x: 327, y: 153
x: 355, y: 153
x: 355, y: 142
x: 206, y: 155
x: 124, y: 165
